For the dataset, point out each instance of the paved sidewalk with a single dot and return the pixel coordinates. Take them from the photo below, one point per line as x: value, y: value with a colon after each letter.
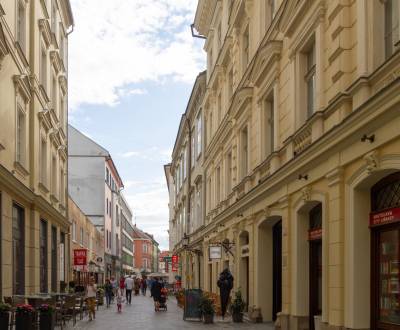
x: 141, y: 315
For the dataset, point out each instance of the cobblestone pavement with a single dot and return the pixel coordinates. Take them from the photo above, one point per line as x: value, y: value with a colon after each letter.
x: 141, y: 315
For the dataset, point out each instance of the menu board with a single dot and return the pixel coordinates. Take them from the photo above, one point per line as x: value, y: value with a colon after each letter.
x: 389, y: 264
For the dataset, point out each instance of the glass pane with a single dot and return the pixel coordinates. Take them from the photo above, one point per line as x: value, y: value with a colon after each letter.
x: 389, y: 282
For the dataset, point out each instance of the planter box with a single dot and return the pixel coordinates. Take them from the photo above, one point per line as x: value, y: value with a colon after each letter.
x: 208, y: 319
x: 4, y: 320
x: 237, y: 317
x: 47, y: 321
x: 24, y: 321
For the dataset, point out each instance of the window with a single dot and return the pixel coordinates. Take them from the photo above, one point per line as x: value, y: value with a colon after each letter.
x: 144, y: 248
x: 53, y: 16
x: 218, y: 185
x: 54, y: 264
x: 117, y: 215
x: 87, y: 239
x: 81, y: 236
x: 107, y: 174
x: 21, y: 24
x: 107, y: 238
x: 74, y: 231
x: 62, y: 110
x: 145, y: 263
x: 18, y: 253
x: 62, y: 186
x: 268, y: 123
x: 107, y: 205
x: 391, y: 27
x: 62, y: 44
x: 210, y: 60
x: 219, y: 36
x: 116, y: 244
x: 43, y: 66
x: 228, y: 173
x: 54, y: 94
x: 199, y: 132
x: 244, y: 152
x: 43, y: 162
x: 230, y: 84
x: 219, y: 108
x: 270, y: 12
x: 192, y: 147
x: 310, y: 80
x: 21, y: 136
x: 211, y: 127
x: 183, y: 220
x: 54, y: 176
x: 43, y: 256
x: 246, y: 45
x: 198, y: 206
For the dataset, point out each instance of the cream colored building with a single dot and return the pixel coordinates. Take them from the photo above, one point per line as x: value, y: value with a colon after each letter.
x: 302, y: 159
x: 33, y: 148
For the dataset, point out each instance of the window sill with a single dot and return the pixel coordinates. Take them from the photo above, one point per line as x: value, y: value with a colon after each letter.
x: 21, y: 169
x: 43, y: 188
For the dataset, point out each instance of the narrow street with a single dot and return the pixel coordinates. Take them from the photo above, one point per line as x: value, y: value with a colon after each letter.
x: 141, y: 315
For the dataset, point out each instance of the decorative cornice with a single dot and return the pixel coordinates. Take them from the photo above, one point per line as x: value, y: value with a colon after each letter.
x: 4, y: 50
x: 22, y: 86
x: 45, y: 30
x: 62, y: 80
x: 56, y: 61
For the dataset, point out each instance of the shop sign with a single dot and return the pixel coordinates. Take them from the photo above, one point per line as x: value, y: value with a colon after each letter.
x: 175, y: 263
x: 215, y: 252
x: 175, y: 267
x: 385, y: 217
x: 80, y: 257
x: 315, y: 234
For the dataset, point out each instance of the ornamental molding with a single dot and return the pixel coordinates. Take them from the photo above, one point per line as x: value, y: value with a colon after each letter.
x: 56, y: 61
x: 45, y: 30
x: 22, y: 87
x: 335, y: 176
x: 4, y: 49
x: 306, y: 194
x: 372, y: 161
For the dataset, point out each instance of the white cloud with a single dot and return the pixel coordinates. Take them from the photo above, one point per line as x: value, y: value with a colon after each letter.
x: 152, y: 154
x: 121, y: 42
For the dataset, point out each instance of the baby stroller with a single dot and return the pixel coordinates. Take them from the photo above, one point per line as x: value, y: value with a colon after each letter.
x: 162, y: 302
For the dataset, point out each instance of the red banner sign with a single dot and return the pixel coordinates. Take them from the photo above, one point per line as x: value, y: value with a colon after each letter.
x: 385, y: 217
x: 315, y: 234
x: 175, y: 259
x: 80, y: 257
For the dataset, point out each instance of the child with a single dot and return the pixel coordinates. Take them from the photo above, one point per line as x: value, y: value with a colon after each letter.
x: 119, y: 300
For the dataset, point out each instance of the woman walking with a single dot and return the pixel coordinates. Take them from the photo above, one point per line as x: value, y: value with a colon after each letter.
x: 156, y: 294
x: 91, y: 290
x: 108, y: 290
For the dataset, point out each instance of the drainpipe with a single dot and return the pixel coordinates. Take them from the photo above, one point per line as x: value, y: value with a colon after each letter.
x: 188, y: 178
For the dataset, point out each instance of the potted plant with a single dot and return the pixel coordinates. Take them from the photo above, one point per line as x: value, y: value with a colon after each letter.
x: 100, y: 296
x: 180, y: 297
x: 47, y: 317
x: 4, y: 315
x: 24, y: 317
x: 207, y: 309
x: 237, y: 307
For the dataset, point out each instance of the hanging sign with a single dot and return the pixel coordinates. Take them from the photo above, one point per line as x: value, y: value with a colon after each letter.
x: 315, y: 234
x: 80, y: 257
x: 175, y: 263
x: 215, y: 252
x: 384, y: 217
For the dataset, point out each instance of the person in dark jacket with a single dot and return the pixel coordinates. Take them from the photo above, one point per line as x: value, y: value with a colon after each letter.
x: 108, y: 292
x: 225, y: 284
x: 156, y: 293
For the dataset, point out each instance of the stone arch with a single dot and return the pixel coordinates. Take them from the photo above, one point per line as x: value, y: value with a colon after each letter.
x: 300, y: 252
x: 358, y: 237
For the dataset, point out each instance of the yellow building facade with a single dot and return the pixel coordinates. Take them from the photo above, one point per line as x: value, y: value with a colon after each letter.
x: 33, y: 153
x: 302, y: 159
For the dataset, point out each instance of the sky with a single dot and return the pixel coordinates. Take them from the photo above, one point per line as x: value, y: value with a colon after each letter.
x: 132, y: 65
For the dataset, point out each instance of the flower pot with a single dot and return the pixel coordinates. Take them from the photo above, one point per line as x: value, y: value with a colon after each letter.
x: 24, y: 321
x: 237, y: 317
x: 47, y: 321
x: 4, y: 320
x: 208, y: 318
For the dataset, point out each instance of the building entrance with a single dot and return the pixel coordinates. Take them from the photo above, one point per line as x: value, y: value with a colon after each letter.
x: 385, y: 234
x: 277, y: 270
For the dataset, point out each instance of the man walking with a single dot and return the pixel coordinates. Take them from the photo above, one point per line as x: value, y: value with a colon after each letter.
x: 128, y: 289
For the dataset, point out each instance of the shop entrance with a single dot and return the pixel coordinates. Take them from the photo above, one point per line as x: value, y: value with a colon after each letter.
x: 385, y: 256
x: 277, y: 269
x: 315, y: 263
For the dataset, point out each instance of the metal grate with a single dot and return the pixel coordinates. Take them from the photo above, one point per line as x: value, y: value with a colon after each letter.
x: 386, y: 193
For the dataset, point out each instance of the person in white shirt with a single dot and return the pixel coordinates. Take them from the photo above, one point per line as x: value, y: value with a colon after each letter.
x: 91, y: 291
x: 128, y: 289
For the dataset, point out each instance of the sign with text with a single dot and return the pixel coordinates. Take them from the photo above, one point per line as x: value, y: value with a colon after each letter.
x: 385, y: 217
x: 80, y: 257
x: 315, y: 234
x: 215, y: 252
x: 175, y: 263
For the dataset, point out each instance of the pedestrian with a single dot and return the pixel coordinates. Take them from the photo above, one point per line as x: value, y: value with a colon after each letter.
x: 151, y: 282
x: 114, y: 287
x: 91, y: 290
x: 128, y: 289
x: 143, y: 286
x: 119, y: 300
x: 225, y: 284
x: 108, y: 291
x: 156, y: 294
x: 122, y: 284
x: 137, y: 286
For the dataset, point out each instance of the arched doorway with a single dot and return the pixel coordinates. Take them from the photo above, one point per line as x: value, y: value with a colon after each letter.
x: 244, y: 269
x: 385, y: 253
x: 269, y: 267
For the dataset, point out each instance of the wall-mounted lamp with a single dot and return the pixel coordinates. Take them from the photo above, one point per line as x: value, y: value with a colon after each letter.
x: 303, y: 177
x: 370, y: 138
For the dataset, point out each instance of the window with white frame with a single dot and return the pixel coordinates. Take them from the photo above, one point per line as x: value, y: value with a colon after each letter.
x: 392, y: 32
x: 21, y: 134
x: 193, y: 151
x: 145, y: 249
x: 145, y: 263
x: 199, y: 135
x: 198, y: 206
x: 21, y: 24
x: 228, y: 173
x: 81, y: 237
x: 74, y: 231
x: 62, y: 110
x: 210, y: 60
x: 183, y: 220
x: 54, y: 94
x: 43, y: 161
x: 219, y: 108
x: 244, y: 154
x: 184, y: 156
x: 62, y: 186
x: 54, y: 175
x: 230, y: 84
x: 218, y: 185
x: 62, y: 43
x: 310, y: 79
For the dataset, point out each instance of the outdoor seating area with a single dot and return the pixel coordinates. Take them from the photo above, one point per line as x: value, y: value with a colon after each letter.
x: 41, y: 311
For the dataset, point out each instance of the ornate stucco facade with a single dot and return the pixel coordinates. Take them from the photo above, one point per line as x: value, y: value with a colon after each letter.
x: 301, y: 115
x: 33, y: 148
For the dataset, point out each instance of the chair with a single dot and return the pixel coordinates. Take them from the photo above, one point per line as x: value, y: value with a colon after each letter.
x: 68, y: 309
x: 79, y: 306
